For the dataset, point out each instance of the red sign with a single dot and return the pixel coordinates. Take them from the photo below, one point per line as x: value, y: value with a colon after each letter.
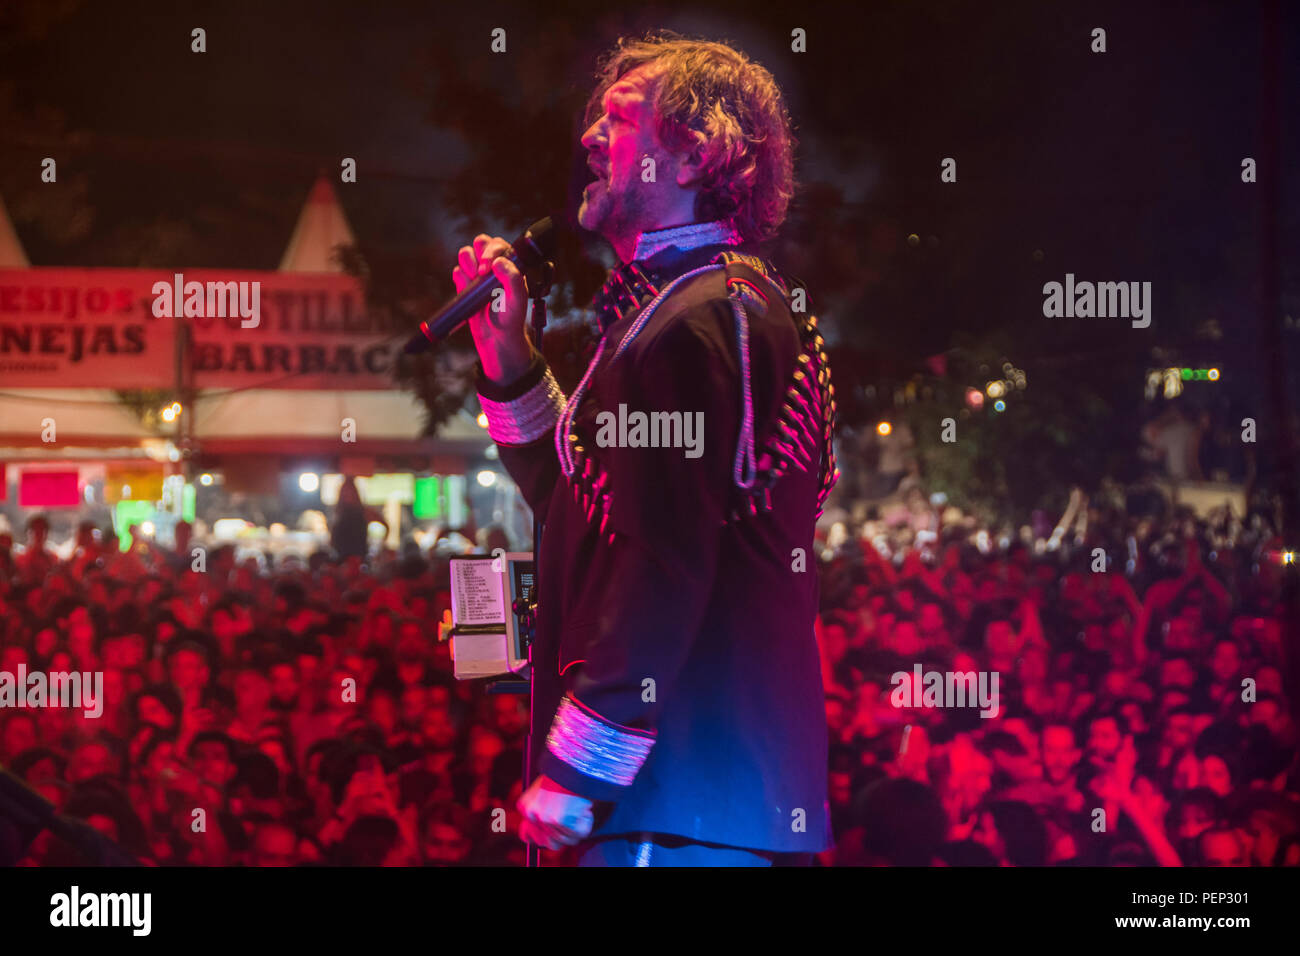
x: 81, y: 327
x: 48, y: 489
x: 116, y: 328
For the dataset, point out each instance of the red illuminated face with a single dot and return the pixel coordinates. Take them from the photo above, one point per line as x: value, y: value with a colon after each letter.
x: 163, y: 757
x: 1193, y: 821
x: 383, y: 712
x: 619, y: 203
x: 212, y: 762
x: 1264, y: 838
x: 11, y: 657
x: 1224, y: 849
x: 90, y: 761
x: 252, y: 693
x: 188, y: 670
x: 483, y: 752
x: 1059, y: 753
x: 1216, y: 775
x: 509, y: 714
x: 19, y: 734
x: 45, y: 641
x: 439, y: 730
x: 1226, y: 660
x: 444, y: 844
x: 284, y: 683
x: 274, y: 845
x: 1104, y: 738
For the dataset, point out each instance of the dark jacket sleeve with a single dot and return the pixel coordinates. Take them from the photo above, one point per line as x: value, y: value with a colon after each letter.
x: 650, y: 582
x: 521, y: 420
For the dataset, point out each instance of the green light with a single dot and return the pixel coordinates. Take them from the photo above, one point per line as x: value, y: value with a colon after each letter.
x: 1187, y: 375
x: 428, y: 498
x: 131, y: 512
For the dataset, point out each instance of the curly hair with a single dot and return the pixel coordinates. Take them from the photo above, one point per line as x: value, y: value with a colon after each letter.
x: 712, y: 96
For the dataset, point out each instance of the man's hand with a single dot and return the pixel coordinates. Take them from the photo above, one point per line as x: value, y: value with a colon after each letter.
x: 499, y: 336
x: 553, y: 816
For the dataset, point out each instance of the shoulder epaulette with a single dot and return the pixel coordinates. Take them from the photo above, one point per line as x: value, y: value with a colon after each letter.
x: 803, y: 436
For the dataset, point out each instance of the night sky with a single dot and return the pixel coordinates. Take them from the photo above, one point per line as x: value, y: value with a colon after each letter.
x: 1116, y: 166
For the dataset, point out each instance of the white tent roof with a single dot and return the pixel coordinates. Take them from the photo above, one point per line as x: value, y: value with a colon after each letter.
x: 79, y: 413
x: 321, y: 226
x: 12, y: 255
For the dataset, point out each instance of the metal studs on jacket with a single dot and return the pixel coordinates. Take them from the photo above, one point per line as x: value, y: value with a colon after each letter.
x: 803, y: 435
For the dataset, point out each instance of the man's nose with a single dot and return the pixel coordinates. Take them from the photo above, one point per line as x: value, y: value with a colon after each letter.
x: 594, y: 138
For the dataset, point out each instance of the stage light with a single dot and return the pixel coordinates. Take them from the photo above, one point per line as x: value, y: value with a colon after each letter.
x: 996, y: 389
x: 228, y: 529
x: 884, y: 428
x: 1000, y: 406
x: 169, y: 413
x: 147, y: 528
x: 1288, y: 557
x: 1213, y: 375
x: 974, y: 398
x: 205, y: 479
x: 487, y: 478
x: 309, y: 481
x: 482, y: 420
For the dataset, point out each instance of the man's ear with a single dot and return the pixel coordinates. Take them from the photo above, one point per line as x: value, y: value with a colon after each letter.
x: 690, y: 169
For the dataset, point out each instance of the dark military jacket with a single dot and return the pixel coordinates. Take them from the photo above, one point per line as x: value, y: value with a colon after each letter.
x: 677, y: 578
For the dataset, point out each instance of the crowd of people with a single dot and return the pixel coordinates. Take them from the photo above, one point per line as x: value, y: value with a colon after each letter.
x: 1140, y: 715
x: 308, y: 710
x: 306, y: 713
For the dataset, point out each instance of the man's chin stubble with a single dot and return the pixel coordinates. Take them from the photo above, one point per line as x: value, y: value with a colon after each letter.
x: 594, y: 219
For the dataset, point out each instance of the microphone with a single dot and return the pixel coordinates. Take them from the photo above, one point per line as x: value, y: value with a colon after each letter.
x: 531, y: 252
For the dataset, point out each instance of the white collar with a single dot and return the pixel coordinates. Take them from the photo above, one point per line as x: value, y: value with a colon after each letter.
x: 684, y: 238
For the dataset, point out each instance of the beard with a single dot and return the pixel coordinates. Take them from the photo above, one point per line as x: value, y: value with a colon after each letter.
x: 612, y: 209
x: 595, y: 205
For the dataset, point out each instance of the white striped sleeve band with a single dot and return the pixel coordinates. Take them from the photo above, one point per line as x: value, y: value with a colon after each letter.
x: 526, y: 418
x: 595, y: 748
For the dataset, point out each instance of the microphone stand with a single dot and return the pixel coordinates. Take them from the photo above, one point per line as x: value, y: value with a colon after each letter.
x: 538, y: 281
x: 537, y: 291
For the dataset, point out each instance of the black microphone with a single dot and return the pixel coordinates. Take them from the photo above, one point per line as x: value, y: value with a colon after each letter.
x: 530, y: 252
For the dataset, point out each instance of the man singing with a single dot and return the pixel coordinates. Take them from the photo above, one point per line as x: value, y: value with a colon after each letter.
x: 679, y: 485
